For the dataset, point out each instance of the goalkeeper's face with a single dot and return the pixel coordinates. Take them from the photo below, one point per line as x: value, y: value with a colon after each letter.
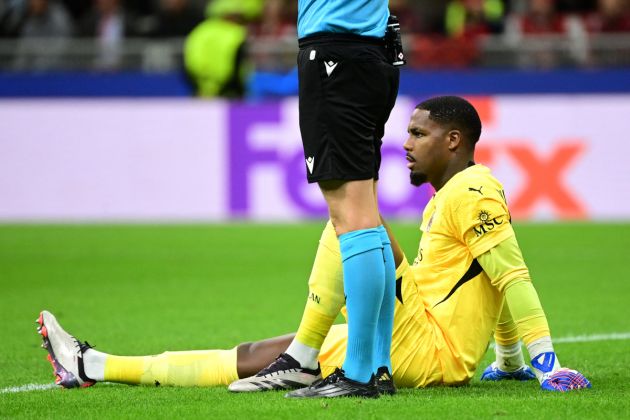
x: 427, y: 147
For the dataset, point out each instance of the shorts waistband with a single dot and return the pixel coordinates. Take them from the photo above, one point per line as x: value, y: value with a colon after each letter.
x: 331, y: 37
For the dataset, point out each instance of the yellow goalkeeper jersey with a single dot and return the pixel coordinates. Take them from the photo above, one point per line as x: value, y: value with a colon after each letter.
x: 447, y: 307
x: 465, y: 218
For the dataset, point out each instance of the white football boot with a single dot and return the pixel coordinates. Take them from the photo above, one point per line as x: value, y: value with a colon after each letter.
x: 65, y: 353
x: 284, y: 373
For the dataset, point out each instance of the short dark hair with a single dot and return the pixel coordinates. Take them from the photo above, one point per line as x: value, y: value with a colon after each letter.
x: 456, y: 113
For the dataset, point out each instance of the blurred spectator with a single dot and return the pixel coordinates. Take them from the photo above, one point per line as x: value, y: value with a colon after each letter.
x: 471, y: 18
x: 576, y: 6
x: 408, y: 17
x: 215, y: 51
x: 611, y: 16
x: 463, y: 22
x: 244, y: 10
x: 278, y: 18
x: 546, y: 38
x: 12, y: 14
x: 176, y: 18
x: 41, y: 17
x: 45, y: 19
x: 541, y: 17
x: 274, y: 35
x: 78, y: 8
x: 107, y: 23
x: 428, y: 16
x: 172, y: 19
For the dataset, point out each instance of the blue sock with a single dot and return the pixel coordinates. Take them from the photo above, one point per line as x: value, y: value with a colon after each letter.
x: 363, y: 281
x: 385, y: 324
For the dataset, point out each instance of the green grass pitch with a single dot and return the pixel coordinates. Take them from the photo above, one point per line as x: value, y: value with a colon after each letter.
x: 146, y: 289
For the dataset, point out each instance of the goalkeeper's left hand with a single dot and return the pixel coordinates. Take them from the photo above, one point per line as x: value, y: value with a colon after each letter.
x: 494, y: 373
x: 563, y: 380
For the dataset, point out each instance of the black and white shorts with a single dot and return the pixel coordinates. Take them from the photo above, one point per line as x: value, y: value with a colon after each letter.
x: 347, y: 90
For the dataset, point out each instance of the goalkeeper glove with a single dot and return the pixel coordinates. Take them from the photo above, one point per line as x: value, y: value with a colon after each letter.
x: 564, y: 380
x: 554, y: 378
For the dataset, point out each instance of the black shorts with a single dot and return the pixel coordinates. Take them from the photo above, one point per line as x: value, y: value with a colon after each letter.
x: 347, y: 90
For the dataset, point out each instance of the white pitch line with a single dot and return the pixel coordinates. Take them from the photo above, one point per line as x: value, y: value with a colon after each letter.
x: 583, y: 338
x: 570, y: 339
x: 594, y: 337
x: 27, y: 388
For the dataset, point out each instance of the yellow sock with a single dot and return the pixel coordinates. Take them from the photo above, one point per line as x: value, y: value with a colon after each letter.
x: 509, y: 356
x: 325, y: 294
x: 181, y: 368
x: 506, y: 333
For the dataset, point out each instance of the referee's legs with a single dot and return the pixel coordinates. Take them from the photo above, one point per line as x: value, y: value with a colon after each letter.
x: 354, y: 213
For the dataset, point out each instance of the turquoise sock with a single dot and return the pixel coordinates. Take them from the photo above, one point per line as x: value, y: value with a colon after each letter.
x: 385, y: 324
x: 364, y: 282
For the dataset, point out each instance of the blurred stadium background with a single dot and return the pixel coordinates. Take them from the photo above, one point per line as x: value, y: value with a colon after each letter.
x: 185, y: 110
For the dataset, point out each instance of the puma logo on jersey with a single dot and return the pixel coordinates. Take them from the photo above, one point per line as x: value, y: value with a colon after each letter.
x: 330, y: 66
x: 476, y: 190
x: 310, y: 163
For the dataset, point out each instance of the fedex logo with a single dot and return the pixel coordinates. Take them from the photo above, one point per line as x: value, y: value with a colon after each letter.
x: 543, y: 170
x: 543, y: 175
x: 284, y: 158
x: 537, y: 173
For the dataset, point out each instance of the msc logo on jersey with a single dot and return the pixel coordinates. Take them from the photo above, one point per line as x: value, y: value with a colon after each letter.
x: 488, y: 223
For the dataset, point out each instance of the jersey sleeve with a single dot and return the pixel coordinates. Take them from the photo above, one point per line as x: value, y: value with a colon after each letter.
x: 504, y: 264
x: 482, y: 220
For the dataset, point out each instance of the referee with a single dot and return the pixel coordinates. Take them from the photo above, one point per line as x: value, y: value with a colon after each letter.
x: 348, y: 83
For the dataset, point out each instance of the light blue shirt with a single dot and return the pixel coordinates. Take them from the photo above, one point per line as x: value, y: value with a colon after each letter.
x: 360, y: 17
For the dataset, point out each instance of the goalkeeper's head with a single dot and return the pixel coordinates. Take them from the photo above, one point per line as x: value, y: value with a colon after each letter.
x: 454, y: 113
x: 443, y: 132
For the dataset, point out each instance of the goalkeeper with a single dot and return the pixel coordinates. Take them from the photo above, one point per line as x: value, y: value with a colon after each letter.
x: 467, y: 280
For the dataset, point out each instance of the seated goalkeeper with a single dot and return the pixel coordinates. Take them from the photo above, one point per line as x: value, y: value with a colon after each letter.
x: 467, y: 280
